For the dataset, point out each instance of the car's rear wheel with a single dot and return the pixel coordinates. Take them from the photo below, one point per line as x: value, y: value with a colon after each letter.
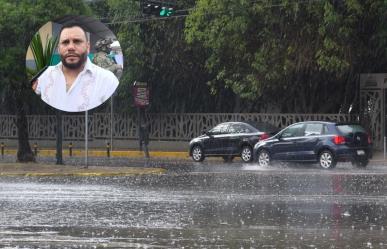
x: 197, y: 153
x: 247, y: 154
x: 362, y: 163
x: 228, y: 159
x: 327, y: 159
x: 263, y: 158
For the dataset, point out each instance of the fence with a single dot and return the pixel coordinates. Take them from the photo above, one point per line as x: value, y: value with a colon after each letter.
x: 177, y: 127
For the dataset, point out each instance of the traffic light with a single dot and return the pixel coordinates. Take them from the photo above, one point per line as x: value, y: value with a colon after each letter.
x: 166, y: 11
x: 157, y: 8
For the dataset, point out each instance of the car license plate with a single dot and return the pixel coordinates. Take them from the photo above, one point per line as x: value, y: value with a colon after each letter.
x: 360, y: 152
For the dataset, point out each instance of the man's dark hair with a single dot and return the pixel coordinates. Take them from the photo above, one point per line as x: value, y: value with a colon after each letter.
x: 72, y: 25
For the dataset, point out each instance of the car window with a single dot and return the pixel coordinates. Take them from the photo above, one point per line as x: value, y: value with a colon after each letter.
x: 313, y: 129
x: 348, y: 129
x: 220, y: 129
x: 325, y: 129
x: 235, y: 128
x: 240, y: 128
x: 250, y: 128
x: 232, y: 129
x: 293, y: 131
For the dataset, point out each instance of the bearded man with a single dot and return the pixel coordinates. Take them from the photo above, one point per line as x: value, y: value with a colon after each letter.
x: 75, y: 84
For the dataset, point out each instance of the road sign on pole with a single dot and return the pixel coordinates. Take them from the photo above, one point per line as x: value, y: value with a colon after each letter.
x: 141, y: 94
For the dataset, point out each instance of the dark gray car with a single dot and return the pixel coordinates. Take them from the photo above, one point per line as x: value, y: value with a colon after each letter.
x: 316, y: 141
x: 227, y: 140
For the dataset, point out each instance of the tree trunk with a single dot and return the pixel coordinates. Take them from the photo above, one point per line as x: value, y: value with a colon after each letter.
x: 24, y: 152
x: 59, y: 156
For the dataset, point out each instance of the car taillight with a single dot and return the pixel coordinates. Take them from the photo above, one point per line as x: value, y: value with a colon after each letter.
x: 339, y: 140
x: 369, y: 139
x: 264, y: 136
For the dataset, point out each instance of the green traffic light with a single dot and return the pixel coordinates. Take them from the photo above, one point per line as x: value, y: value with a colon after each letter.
x: 170, y: 12
x: 166, y: 12
x: 163, y: 12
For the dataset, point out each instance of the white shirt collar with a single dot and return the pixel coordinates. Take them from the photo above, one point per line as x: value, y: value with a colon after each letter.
x: 88, y: 67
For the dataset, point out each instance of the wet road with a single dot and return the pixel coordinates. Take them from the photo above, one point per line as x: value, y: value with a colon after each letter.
x: 202, y: 206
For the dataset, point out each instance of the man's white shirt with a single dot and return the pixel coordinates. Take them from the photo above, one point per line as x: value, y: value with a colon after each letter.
x: 93, y: 86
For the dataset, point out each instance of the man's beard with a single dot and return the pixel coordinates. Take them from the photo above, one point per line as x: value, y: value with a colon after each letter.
x: 76, y: 65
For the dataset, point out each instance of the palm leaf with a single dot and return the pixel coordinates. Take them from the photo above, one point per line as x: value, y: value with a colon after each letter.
x: 43, y: 55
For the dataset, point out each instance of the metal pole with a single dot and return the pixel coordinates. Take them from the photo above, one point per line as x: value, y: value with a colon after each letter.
x: 2, y: 149
x: 86, y: 136
x: 70, y: 149
x: 139, y: 128
x: 384, y: 149
x: 36, y: 149
x: 111, y: 124
x: 383, y: 123
x: 59, y: 139
x: 108, y: 150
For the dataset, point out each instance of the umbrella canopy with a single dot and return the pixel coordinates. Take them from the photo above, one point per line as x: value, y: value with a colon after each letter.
x: 93, y: 26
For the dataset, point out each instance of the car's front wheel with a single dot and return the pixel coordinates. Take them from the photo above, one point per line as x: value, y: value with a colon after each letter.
x: 197, y: 153
x: 247, y: 154
x: 327, y: 160
x: 263, y: 158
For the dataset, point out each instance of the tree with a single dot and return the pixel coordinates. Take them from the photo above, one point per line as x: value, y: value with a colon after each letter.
x: 155, y: 51
x: 19, y: 20
x: 295, y: 55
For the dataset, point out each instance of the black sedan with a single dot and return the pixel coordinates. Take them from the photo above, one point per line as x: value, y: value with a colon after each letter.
x: 315, y: 141
x: 227, y: 140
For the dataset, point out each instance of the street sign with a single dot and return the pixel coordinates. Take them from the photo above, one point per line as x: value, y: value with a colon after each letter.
x: 141, y: 94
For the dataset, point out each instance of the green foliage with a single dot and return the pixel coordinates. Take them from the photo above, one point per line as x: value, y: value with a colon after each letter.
x: 19, y: 20
x: 131, y: 45
x: 42, y: 55
x: 227, y: 55
x: 293, y: 54
x: 156, y: 52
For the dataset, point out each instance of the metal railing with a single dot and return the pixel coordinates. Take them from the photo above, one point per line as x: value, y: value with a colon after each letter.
x: 167, y: 126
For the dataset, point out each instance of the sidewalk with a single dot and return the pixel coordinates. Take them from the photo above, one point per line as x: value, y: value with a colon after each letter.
x: 104, y: 153
x: 120, y: 163
x: 37, y: 169
x: 379, y: 158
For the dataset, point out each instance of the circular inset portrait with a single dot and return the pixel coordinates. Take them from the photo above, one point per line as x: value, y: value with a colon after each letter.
x: 74, y: 63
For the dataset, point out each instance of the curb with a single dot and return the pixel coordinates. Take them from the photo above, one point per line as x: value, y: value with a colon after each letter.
x: 101, y: 153
x: 37, y: 170
x: 79, y: 174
